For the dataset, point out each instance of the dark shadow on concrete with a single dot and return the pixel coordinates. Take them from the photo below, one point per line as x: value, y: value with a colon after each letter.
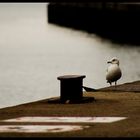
x: 57, y: 100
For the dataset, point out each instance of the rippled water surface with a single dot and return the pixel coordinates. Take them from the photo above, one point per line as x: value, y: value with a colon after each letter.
x: 34, y: 53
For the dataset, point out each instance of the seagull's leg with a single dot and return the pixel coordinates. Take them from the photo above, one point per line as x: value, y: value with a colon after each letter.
x: 110, y: 83
x: 115, y: 83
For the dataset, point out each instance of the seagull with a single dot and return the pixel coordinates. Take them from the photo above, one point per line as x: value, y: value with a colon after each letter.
x: 113, y: 71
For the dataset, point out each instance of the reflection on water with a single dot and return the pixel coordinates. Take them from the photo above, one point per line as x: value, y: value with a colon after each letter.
x: 34, y: 53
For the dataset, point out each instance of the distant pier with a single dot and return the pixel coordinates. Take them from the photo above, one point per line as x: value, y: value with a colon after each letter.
x: 118, y: 22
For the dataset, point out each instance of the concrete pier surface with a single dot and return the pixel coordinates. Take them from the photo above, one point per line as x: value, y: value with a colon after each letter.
x: 122, y: 101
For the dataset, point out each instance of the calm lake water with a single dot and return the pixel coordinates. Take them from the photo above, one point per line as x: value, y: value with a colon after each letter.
x: 34, y: 53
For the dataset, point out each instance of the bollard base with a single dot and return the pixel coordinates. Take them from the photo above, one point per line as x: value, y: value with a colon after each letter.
x: 57, y: 100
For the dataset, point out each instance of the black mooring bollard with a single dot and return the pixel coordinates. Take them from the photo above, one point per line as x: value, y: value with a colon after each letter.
x: 71, y: 88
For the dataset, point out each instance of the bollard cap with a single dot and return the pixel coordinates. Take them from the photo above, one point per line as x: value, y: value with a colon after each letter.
x: 66, y: 77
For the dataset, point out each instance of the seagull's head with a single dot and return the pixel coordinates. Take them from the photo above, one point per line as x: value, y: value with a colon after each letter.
x: 114, y: 60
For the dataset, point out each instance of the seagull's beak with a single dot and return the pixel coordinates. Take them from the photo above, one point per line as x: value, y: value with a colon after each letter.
x: 108, y: 62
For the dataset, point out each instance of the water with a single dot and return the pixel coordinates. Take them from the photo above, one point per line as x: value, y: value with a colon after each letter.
x: 34, y: 53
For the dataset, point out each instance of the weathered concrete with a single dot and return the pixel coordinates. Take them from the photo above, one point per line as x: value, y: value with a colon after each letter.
x: 107, y: 103
x: 127, y: 87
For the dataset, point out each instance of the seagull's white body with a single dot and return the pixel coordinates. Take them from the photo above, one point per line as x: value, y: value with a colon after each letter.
x: 113, y: 71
